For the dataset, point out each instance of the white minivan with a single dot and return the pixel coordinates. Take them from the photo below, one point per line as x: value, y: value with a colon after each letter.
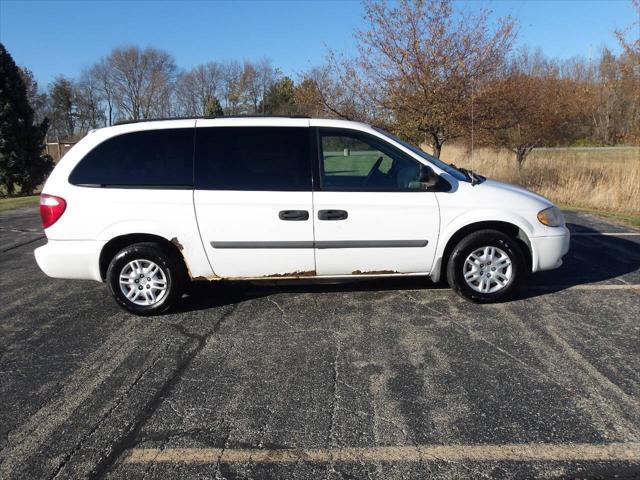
x: 149, y: 206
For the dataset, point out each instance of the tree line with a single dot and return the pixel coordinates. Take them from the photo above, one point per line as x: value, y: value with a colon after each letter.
x: 435, y: 76
x: 429, y: 74
x: 133, y: 83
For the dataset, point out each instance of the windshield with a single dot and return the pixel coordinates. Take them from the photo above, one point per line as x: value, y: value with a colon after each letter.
x: 454, y: 172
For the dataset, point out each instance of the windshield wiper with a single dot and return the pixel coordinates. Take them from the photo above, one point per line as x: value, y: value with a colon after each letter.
x: 474, y: 177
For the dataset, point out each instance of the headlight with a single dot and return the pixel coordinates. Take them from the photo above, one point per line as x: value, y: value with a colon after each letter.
x: 551, y: 217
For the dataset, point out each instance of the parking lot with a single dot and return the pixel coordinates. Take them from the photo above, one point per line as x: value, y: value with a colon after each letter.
x: 373, y: 379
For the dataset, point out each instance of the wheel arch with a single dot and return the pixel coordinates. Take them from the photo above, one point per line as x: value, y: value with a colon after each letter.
x: 508, y: 228
x: 113, y: 246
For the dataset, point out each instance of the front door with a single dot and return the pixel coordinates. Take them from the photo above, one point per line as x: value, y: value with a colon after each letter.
x: 371, y: 214
x: 253, y: 198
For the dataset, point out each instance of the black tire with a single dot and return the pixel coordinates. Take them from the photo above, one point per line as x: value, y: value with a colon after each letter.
x: 473, y: 242
x: 171, y: 267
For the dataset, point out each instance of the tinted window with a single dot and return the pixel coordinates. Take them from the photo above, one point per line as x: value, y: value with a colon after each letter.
x: 253, y: 158
x: 356, y: 161
x: 154, y: 158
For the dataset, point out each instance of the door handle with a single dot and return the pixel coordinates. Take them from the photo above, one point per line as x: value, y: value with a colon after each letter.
x: 294, y: 215
x: 332, y: 214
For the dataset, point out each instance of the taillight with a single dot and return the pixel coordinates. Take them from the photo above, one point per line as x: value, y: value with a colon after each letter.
x: 51, y: 209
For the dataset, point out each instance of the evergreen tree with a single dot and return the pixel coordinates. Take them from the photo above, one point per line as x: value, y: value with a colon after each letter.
x: 280, y: 98
x: 212, y: 107
x: 21, y: 141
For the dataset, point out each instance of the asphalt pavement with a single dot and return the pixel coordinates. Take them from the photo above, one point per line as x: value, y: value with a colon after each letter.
x: 384, y: 379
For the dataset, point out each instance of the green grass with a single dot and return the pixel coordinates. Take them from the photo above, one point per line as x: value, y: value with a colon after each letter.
x: 624, y: 218
x: 357, y: 164
x: 18, y: 202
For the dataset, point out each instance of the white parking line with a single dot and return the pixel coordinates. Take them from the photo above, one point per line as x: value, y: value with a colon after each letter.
x: 508, y: 452
x: 627, y: 286
x: 13, y: 230
x: 605, y: 234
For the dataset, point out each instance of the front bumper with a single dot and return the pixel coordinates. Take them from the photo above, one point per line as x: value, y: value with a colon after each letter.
x: 547, y: 252
x: 74, y: 259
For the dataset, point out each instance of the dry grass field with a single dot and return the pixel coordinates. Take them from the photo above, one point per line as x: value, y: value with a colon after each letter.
x: 593, y: 178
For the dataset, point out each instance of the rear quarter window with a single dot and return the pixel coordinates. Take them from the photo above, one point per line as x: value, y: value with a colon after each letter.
x: 153, y: 158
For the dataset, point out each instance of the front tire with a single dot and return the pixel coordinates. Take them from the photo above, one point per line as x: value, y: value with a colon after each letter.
x: 145, y: 279
x: 486, y: 266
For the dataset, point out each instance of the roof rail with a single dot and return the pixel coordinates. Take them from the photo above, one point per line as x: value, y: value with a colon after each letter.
x: 126, y: 122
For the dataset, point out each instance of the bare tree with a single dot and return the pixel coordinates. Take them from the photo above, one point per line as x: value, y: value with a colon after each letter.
x: 267, y: 76
x: 629, y: 63
x: 533, y: 63
x: 421, y: 61
x: 89, y: 103
x: 232, y: 86
x: 197, y: 88
x: 62, y: 107
x: 102, y: 78
x: 250, y: 88
x: 334, y: 90
x: 631, y: 47
x: 608, y: 102
x: 142, y: 82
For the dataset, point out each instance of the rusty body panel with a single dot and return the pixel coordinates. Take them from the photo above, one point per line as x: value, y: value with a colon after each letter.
x: 214, y: 278
x: 374, y: 272
x: 310, y: 273
x: 290, y: 275
x: 179, y: 246
x: 175, y: 241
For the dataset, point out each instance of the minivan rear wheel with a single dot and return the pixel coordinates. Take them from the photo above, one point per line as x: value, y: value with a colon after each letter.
x: 145, y: 278
x: 486, y: 266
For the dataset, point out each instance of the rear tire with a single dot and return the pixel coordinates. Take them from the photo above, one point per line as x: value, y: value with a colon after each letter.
x: 145, y: 278
x: 486, y: 266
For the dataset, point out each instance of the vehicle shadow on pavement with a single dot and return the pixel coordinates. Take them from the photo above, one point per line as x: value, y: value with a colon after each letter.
x: 203, y: 295
x: 591, y: 259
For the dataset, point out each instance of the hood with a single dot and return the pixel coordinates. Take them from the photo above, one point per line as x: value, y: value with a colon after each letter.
x: 516, y: 189
x: 508, y: 195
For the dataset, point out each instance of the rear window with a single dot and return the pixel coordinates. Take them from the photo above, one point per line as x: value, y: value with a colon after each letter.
x: 253, y: 158
x: 153, y: 158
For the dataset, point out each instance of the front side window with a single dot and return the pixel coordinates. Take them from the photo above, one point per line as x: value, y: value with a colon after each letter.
x: 253, y: 158
x: 153, y: 158
x: 352, y: 160
x: 450, y: 169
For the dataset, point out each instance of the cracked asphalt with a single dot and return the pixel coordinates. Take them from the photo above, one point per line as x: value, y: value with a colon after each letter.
x: 383, y: 379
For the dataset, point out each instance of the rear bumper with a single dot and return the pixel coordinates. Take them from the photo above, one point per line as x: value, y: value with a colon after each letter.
x: 547, y: 252
x: 75, y: 259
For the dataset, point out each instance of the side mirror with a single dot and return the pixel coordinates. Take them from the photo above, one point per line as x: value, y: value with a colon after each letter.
x: 427, y: 180
x: 428, y: 177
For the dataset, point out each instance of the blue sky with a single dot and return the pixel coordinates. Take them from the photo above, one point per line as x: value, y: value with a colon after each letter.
x: 62, y: 37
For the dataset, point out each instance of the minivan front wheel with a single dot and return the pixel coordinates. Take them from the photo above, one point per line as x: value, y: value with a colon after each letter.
x: 486, y: 266
x: 145, y: 279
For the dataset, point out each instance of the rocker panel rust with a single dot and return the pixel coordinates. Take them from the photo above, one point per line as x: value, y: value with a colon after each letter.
x: 373, y: 272
x: 213, y: 278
